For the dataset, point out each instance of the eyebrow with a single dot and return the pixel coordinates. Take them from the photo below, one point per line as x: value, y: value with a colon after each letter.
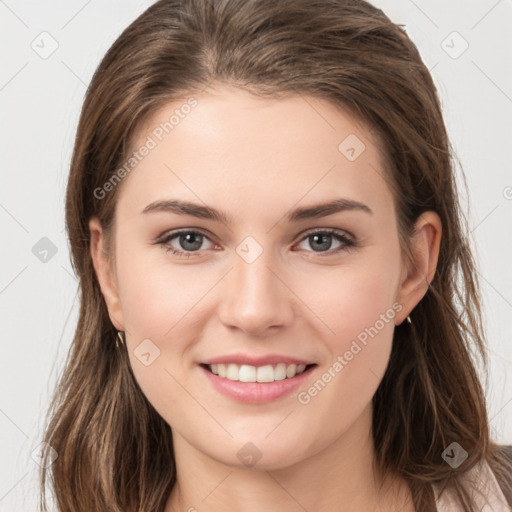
x: 206, y: 212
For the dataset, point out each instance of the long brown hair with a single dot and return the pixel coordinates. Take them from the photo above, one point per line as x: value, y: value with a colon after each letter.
x: 114, y: 450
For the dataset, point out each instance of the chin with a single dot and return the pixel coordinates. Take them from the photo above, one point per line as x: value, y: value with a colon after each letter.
x: 261, y: 455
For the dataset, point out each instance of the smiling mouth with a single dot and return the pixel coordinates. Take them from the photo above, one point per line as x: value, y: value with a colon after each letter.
x: 262, y: 374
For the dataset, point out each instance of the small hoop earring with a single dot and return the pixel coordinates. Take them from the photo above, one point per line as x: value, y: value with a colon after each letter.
x: 120, y: 342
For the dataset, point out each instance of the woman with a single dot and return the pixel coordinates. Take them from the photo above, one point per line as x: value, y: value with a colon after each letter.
x: 278, y: 301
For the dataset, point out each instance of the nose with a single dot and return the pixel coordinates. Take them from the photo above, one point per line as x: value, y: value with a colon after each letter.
x: 256, y: 298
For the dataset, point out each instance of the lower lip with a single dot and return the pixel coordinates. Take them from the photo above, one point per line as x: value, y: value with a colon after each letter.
x: 256, y: 392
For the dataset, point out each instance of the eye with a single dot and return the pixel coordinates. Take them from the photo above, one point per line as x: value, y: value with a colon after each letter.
x: 192, y: 241
x: 188, y: 241
x: 322, y: 240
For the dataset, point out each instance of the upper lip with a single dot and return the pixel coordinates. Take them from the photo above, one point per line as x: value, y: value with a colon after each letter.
x: 269, y: 359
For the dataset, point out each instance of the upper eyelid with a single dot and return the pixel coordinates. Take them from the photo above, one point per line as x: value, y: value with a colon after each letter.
x: 169, y: 235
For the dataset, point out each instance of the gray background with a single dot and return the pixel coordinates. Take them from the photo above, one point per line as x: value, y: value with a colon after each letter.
x: 41, y: 96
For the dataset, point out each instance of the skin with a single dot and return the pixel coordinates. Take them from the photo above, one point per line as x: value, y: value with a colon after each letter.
x: 256, y: 159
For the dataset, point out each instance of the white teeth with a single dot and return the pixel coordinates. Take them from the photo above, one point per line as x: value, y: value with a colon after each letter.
x: 265, y: 374
x: 280, y: 372
x: 291, y: 370
x: 232, y: 372
x: 247, y: 373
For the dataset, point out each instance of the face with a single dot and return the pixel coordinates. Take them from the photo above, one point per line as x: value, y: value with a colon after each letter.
x: 272, y: 281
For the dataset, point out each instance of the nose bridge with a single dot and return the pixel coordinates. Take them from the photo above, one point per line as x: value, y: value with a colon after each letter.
x: 256, y: 299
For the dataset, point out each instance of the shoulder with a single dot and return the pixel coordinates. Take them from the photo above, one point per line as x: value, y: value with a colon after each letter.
x: 489, y: 483
x: 500, y: 461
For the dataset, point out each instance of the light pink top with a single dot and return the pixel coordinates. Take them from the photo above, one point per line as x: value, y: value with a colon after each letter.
x: 482, y: 483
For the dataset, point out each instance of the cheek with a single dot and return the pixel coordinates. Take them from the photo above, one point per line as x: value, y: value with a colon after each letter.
x: 366, y: 304
x: 156, y: 295
x: 354, y: 299
x: 362, y: 318
x: 162, y: 306
x: 358, y: 305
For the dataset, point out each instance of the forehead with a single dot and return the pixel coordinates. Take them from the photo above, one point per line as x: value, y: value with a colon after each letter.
x: 227, y: 143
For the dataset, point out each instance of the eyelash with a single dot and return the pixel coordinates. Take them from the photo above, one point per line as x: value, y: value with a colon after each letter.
x: 347, y: 243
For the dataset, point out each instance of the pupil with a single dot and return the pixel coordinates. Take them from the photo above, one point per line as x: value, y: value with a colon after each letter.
x: 195, y: 239
x: 326, y: 242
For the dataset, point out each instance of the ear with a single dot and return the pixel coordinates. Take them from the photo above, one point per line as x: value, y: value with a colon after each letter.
x: 419, y: 271
x: 103, y: 265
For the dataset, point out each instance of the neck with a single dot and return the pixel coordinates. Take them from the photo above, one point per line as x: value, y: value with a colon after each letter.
x: 340, y: 477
